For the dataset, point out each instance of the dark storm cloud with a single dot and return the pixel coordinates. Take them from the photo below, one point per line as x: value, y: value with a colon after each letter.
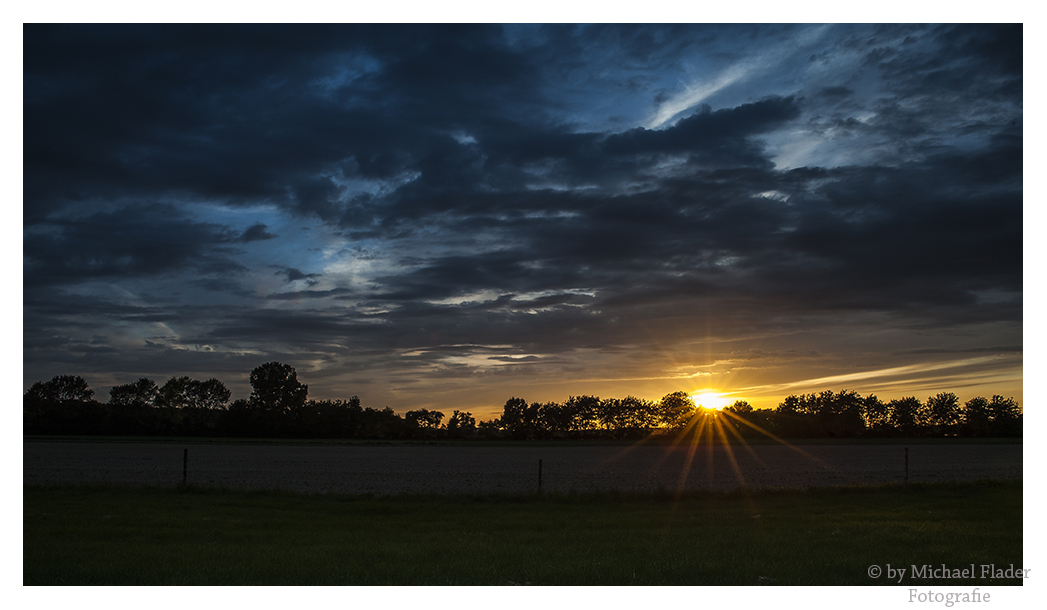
x: 886, y: 239
x: 131, y: 241
x: 967, y: 53
x: 255, y: 232
x: 293, y: 274
x: 309, y: 294
x: 251, y: 113
x: 468, y: 195
x: 710, y: 129
x: 923, y: 90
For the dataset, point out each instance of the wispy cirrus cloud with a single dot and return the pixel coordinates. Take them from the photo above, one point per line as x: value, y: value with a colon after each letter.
x: 738, y: 72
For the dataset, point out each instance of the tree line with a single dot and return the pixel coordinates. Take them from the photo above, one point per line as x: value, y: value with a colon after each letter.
x: 844, y: 414
x: 279, y: 407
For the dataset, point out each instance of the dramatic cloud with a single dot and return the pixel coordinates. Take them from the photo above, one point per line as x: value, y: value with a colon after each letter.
x: 256, y: 232
x: 450, y: 215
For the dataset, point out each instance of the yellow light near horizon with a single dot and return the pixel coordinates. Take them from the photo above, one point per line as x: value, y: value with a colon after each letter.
x: 710, y: 399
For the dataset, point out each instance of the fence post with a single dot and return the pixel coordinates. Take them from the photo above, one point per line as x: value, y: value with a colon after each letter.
x: 906, y: 464
x: 185, y: 466
x: 539, y: 475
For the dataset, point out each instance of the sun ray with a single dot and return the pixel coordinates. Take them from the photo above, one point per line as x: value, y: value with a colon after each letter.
x: 730, y: 453
x: 741, y: 440
x: 780, y: 440
x: 692, y: 448
x: 709, y: 448
x: 678, y: 438
x: 705, y: 426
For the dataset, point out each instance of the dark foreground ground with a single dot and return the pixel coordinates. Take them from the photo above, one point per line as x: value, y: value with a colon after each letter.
x: 513, y: 468
x: 830, y: 536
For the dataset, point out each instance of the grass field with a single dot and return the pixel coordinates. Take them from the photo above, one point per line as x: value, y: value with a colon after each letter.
x: 195, y: 536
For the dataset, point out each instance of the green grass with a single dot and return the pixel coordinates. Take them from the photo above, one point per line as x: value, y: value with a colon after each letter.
x: 194, y: 536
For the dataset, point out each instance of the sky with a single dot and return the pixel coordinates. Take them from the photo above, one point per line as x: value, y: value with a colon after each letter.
x: 446, y: 216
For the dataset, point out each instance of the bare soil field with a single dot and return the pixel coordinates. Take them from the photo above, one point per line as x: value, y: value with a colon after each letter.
x: 392, y: 469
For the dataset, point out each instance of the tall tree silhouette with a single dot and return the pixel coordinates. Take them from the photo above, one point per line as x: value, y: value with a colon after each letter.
x: 174, y: 393
x: 514, y: 417
x: 943, y: 409
x: 276, y: 388
x: 140, y: 393
x: 906, y: 414
x: 676, y: 409
x: 876, y: 413
x: 210, y: 394
x: 976, y: 416
x: 461, y: 424
x: 1006, y: 416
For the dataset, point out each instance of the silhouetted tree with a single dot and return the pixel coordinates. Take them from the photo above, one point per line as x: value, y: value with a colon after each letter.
x: 490, y: 428
x: 532, y: 421
x: 329, y: 418
x: 384, y: 423
x: 826, y: 414
x: 943, y: 410
x: 762, y: 419
x: 210, y: 394
x: 629, y: 417
x: 61, y: 406
x: 174, y: 394
x: 610, y: 415
x: 276, y: 388
x: 789, y: 417
x: 584, y: 412
x: 675, y: 409
x: 1006, y: 416
x: 790, y: 406
x: 200, y: 401
x: 513, y: 419
x: 809, y: 404
x: 876, y: 413
x: 1003, y: 408
x: 906, y: 414
x: 840, y: 414
x: 424, y: 418
x: 976, y: 416
x: 61, y: 388
x: 142, y: 393
x: 130, y: 407
x: 553, y: 420
x: 461, y: 424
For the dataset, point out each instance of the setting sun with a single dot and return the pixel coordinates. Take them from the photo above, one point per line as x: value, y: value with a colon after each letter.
x: 710, y: 399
